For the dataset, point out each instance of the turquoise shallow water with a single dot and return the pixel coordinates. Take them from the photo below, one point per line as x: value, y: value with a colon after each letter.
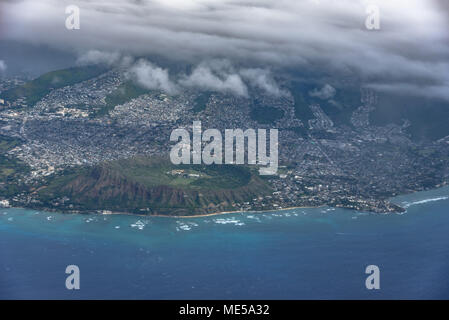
x: 318, y: 253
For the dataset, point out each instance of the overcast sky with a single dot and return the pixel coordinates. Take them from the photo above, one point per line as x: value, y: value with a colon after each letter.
x: 247, y: 39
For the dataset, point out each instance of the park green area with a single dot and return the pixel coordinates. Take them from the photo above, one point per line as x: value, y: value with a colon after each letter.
x: 11, y: 168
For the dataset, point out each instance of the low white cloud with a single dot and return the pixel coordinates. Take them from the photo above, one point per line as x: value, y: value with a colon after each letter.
x: 262, y: 79
x: 411, y: 46
x: 104, y: 57
x: 151, y: 76
x: 325, y: 93
x: 218, y: 75
x: 215, y: 75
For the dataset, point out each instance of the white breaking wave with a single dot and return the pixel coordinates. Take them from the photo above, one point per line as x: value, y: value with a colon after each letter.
x: 139, y: 224
x: 185, y: 226
x: 409, y: 204
x: 253, y: 218
x: 233, y: 221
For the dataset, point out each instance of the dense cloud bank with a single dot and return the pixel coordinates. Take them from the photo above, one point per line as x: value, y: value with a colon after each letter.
x: 234, y: 44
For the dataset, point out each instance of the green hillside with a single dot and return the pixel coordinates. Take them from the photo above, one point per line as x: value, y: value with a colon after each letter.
x: 36, y: 89
x: 429, y: 117
x: 346, y: 100
x: 152, y: 186
x: 201, y: 101
x: 266, y: 114
x: 124, y: 93
x: 11, y: 168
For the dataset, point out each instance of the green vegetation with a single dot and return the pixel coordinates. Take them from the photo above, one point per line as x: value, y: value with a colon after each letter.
x: 201, y: 102
x: 152, y: 186
x: 36, y: 89
x: 155, y: 172
x: 302, y: 110
x: 266, y: 114
x: 347, y: 100
x: 8, y: 143
x: 428, y: 117
x: 222, y: 177
x: 124, y: 93
x: 339, y: 108
x: 11, y: 169
x: 300, y: 131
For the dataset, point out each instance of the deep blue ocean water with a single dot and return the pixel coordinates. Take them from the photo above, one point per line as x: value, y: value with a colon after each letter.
x: 317, y: 253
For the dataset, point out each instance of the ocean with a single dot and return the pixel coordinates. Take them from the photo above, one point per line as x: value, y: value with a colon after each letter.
x: 306, y: 253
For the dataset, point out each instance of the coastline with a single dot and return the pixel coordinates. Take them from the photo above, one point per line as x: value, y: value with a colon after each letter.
x: 220, y: 212
x: 166, y: 216
x: 275, y: 239
x: 230, y: 212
